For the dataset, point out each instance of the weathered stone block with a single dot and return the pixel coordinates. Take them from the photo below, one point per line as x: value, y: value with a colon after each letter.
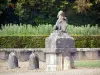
x: 12, y: 61
x: 59, y: 43
x: 24, y: 55
x: 33, y: 61
x: 4, y: 55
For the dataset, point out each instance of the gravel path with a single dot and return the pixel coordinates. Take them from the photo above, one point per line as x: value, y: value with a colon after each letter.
x: 68, y: 72
x: 24, y: 71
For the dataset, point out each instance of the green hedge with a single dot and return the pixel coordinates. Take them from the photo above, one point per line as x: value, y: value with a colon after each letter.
x: 39, y: 41
x: 87, y: 41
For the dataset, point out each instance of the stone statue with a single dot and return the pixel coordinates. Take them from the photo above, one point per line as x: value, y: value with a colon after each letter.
x: 61, y: 23
x: 59, y: 46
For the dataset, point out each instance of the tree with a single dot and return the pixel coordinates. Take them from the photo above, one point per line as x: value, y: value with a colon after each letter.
x: 84, y: 5
x: 45, y: 11
x: 3, y: 5
x: 7, y: 11
x: 39, y: 11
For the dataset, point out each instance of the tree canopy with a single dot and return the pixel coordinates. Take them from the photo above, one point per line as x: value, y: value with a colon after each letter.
x: 44, y: 11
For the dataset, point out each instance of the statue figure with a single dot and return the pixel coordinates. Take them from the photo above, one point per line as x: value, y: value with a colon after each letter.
x: 61, y: 23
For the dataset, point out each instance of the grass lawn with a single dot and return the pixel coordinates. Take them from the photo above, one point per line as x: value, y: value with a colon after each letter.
x: 88, y: 63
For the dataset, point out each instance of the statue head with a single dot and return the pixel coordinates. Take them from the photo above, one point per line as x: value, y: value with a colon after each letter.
x: 60, y: 13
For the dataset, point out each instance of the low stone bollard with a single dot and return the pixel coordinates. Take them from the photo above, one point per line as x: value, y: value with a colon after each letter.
x: 33, y: 61
x: 12, y: 61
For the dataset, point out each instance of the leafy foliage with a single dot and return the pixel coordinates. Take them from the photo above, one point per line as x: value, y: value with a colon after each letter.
x: 39, y: 41
x: 82, y: 5
x: 3, y: 5
x: 46, y: 29
x: 45, y: 11
x: 38, y: 11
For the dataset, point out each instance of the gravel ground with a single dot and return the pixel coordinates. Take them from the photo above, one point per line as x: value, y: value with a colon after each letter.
x: 23, y: 70
x: 68, y: 72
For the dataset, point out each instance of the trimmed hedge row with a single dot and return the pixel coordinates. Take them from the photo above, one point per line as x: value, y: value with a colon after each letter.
x: 39, y: 41
x: 87, y: 41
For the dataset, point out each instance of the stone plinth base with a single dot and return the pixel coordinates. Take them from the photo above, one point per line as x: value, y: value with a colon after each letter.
x: 59, y: 61
x: 51, y: 68
x: 51, y: 62
x: 58, y: 54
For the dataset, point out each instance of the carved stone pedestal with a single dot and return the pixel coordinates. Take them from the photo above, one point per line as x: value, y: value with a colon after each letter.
x: 59, y: 46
